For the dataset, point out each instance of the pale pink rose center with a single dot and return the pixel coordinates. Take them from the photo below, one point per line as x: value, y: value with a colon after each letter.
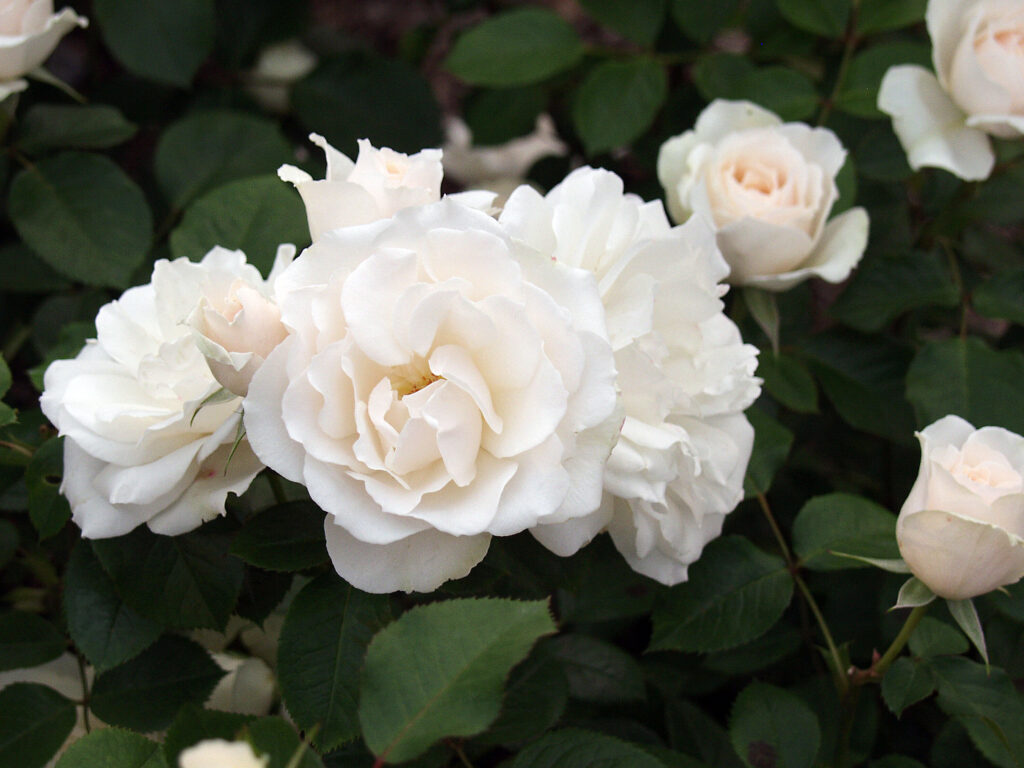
x: 13, y: 16
x: 759, y: 174
x: 983, y: 471
x: 999, y: 47
x: 242, y: 320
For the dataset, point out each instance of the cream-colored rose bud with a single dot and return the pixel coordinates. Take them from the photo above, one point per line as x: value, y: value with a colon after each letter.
x: 768, y: 188
x: 236, y: 322
x: 278, y: 67
x: 218, y: 753
x: 29, y: 31
x: 961, y: 530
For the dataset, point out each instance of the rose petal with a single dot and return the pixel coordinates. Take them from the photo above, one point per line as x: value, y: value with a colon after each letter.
x: 931, y: 128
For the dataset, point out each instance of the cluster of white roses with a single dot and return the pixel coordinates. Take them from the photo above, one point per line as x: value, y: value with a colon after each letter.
x: 434, y: 375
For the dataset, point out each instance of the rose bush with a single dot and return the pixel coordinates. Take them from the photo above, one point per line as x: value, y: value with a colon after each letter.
x: 439, y: 385
x: 944, y: 121
x: 146, y: 440
x: 768, y: 189
x: 684, y: 374
x: 29, y: 31
x: 961, y: 529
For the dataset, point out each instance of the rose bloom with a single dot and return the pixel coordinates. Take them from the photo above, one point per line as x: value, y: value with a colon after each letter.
x: 439, y: 385
x: 148, y: 431
x: 767, y: 187
x: 945, y: 121
x: 29, y: 31
x: 683, y: 371
x: 961, y: 530
x: 236, y: 321
x: 377, y: 185
x: 218, y: 753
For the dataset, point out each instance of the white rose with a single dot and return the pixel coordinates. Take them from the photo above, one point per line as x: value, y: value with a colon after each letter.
x: 961, y: 530
x: 236, y: 321
x: 767, y: 188
x: 683, y: 371
x: 500, y: 168
x: 247, y: 687
x: 377, y: 185
x: 944, y: 122
x: 29, y: 31
x: 146, y: 441
x: 218, y: 753
x: 277, y: 68
x: 440, y: 385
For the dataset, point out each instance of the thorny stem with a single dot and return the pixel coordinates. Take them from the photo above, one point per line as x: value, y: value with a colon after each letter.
x: 838, y: 670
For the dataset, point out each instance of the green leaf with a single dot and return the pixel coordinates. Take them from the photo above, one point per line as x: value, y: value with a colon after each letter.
x: 577, y: 748
x: 145, y: 693
x: 113, y: 748
x: 498, y: 116
x: 323, y: 642
x: 36, y: 722
x: 251, y: 215
x: 886, y: 287
x: 784, y: 91
x: 933, y: 637
x: 880, y: 156
x: 158, y: 40
x: 1001, y: 296
x: 342, y: 100
x: 84, y: 126
x: 700, y: 21
x: 772, y: 442
x: 262, y: 591
x: 48, y: 510
x: 287, y: 537
x: 182, y: 582
x: 884, y: 15
x: 787, y: 380
x: 819, y: 17
x: 896, y: 761
x: 5, y: 376
x: 859, y: 95
x: 102, y: 627
x: 27, y: 640
x: 440, y: 669
x: 692, y: 730
x: 535, y: 698
x: 966, y: 378
x: 966, y: 617
x: 617, y: 102
x: 69, y: 343
x: 840, y: 522
x: 780, y: 641
x: 24, y: 272
x: 770, y: 726
x: 205, y: 150
x: 193, y: 724
x: 83, y: 216
x: 863, y: 377
x: 914, y: 593
x: 640, y: 20
x: 906, y: 682
x: 516, y: 47
x: 597, y: 671
x: 987, y: 704
x: 734, y: 595
x: 277, y: 739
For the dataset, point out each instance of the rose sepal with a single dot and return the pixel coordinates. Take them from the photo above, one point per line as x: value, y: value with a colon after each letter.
x: 913, y: 594
x: 966, y: 616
